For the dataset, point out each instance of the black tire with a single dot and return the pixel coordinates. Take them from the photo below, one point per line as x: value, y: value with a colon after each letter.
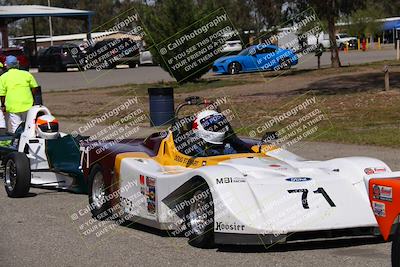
x: 110, y: 65
x: 40, y: 68
x: 284, y: 64
x: 60, y: 68
x: 17, y: 174
x: 234, y: 68
x: 396, y: 249
x: 133, y: 64
x: 201, y: 236
x: 100, y: 208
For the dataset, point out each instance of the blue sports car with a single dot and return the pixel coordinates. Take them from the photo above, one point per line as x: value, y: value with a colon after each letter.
x: 256, y: 58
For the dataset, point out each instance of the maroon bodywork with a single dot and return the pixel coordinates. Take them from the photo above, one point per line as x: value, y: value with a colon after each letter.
x: 104, y: 154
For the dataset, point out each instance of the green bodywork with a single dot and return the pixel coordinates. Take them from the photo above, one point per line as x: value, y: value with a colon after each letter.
x: 64, y: 156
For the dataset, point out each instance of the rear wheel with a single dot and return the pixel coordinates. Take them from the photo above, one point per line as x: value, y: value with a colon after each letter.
x: 59, y: 67
x: 234, y: 68
x: 17, y: 175
x: 285, y: 63
x: 396, y: 249
x: 99, y: 205
x: 200, y: 216
x: 133, y: 64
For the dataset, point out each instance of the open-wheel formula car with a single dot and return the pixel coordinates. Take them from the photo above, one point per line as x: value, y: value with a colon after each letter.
x: 258, y: 195
x: 384, y: 194
x: 41, y: 161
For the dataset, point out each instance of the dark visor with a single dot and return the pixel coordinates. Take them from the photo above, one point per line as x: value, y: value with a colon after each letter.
x: 49, y: 127
x: 214, y: 123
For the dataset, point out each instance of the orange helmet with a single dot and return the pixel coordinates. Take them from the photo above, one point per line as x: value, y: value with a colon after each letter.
x: 47, y: 127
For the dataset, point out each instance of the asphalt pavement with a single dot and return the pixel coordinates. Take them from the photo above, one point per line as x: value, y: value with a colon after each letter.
x: 73, y: 79
x: 38, y: 231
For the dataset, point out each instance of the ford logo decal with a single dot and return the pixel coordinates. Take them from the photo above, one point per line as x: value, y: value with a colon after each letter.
x: 298, y: 179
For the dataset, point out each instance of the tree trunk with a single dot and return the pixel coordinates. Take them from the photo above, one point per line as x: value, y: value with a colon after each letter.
x: 335, y: 61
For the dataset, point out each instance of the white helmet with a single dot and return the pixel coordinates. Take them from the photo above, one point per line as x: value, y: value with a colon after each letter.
x: 210, y: 126
x: 47, y: 127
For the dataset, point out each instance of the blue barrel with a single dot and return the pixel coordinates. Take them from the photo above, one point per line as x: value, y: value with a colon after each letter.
x: 161, y: 102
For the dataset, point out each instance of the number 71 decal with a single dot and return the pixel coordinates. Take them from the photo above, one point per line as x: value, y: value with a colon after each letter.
x: 304, y: 195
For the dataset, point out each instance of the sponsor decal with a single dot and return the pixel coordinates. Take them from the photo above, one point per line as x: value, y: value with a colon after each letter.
x: 274, y: 165
x: 150, y: 181
x: 298, y: 179
x: 151, y: 195
x: 220, y: 226
x: 143, y: 190
x: 381, y: 192
x: 375, y: 170
x: 379, y: 209
x: 141, y: 179
x: 187, y: 161
x: 229, y: 180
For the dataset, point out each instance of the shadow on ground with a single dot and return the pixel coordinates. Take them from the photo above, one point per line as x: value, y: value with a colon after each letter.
x: 308, y: 245
x: 294, y: 246
x: 350, y: 84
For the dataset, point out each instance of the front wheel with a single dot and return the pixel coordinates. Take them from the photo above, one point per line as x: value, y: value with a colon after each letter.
x: 285, y: 63
x: 17, y: 175
x: 59, y: 67
x: 99, y: 206
x: 234, y: 68
x: 200, y: 216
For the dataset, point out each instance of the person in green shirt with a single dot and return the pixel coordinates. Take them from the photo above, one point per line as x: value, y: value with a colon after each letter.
x: 3, y: 127
x: 17, y: 88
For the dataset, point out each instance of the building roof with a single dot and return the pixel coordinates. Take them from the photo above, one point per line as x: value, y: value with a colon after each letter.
x: 391, y: 23
x: 24, y: 11
x: 76, y: 36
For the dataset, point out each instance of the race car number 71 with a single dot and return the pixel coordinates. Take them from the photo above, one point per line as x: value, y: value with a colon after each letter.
x: 304, y: 195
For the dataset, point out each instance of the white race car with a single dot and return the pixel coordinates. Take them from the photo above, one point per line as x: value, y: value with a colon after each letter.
x: 261, y: 196
x: 28, y: 159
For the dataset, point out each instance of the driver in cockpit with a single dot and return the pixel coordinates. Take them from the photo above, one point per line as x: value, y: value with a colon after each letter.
x: 214, y: 136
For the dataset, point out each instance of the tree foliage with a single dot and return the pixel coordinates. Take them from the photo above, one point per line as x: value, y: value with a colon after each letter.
x: 365, y: 21
x: 166, y: 17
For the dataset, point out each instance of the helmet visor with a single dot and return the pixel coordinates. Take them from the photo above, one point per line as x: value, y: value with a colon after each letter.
x: 51, y: 127
x: 215, y: 123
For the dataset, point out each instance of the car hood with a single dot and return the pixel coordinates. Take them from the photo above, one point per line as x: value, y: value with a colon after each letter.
x: 259, y: 167
x: 347, y: 39
x: 221, y: 59
x: 286, y: 197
